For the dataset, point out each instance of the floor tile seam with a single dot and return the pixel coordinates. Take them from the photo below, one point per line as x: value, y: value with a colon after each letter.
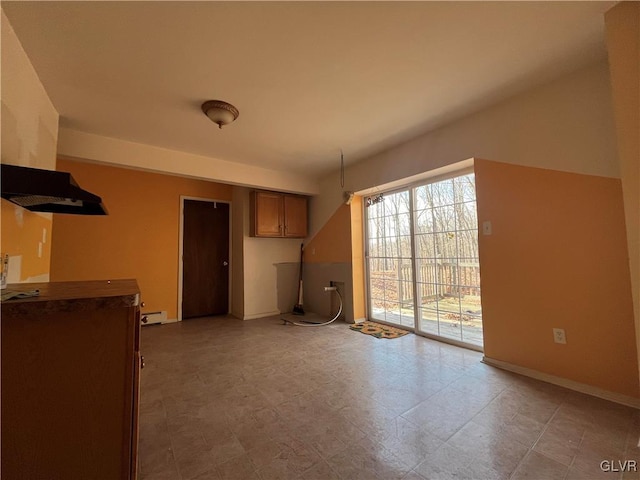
x: 306, y: 444
x: 435, y: 434
x: 547, y: 426
x: 466, y: 391
x: 631, y: 443
x: 549, y: 458
x: 444, y: 404
x: 573, y: 460
x: 322, y: 460
x: 484, y: 426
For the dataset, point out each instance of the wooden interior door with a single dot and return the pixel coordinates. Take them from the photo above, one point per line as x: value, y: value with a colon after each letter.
x: 205, y: 257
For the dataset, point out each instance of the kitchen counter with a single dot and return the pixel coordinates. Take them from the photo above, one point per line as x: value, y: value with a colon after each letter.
x: 72, y: 296
x: 70, y: 371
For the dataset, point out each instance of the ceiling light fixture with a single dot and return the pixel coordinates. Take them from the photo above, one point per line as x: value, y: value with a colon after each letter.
x: 220, y: 112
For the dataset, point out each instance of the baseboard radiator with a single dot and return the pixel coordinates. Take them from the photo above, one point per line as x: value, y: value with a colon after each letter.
x: 153, y: 318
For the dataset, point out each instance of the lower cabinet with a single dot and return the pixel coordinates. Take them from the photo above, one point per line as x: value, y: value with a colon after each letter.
x: 70, y: 382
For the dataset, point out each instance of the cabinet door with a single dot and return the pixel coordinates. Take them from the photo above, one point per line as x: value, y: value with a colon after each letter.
x: 295, y: 215
x: 72, y: 419
x: 268, y: 221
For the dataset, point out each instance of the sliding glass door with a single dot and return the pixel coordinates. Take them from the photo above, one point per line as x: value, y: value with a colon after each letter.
x: 423, y: 267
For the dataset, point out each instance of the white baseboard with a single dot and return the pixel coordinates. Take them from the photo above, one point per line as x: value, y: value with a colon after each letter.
x: 164, y: 322
x: 261, y: 315
x: 563, y: 382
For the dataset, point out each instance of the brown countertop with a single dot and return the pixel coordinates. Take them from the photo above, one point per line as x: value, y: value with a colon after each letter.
x: 72, y: 296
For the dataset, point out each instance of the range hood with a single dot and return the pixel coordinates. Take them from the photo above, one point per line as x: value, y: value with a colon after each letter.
x: 47, y: 191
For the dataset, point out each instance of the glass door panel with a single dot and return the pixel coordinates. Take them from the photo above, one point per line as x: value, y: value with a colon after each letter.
x: 447, y: 266
x: 389, y: 260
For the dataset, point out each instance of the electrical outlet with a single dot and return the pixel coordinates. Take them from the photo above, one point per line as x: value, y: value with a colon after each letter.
x: 559, y: 336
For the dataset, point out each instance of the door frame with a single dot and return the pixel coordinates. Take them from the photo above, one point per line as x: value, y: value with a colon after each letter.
x: 181, y: 248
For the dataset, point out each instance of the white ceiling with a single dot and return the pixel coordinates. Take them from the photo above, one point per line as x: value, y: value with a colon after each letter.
x: 308, y: 78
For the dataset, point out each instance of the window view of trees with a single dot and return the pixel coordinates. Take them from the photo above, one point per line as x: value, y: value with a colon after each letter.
x: 446, y: 279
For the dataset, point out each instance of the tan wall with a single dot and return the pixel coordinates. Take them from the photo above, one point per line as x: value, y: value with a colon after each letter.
x: 29, y: 137
x: 357, y: 259
x: 260, y: 260
x: 336, y: 253
x: 237, y: 252
x: 138, y: 239
x: 623, y: 44
x: 557, y: 258
x: 332, y: 244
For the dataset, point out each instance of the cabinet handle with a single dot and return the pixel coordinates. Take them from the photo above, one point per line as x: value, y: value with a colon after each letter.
x: 142, y: 362
x: 144, y: 319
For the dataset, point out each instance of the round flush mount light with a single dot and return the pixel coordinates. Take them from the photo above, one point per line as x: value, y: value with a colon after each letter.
x: 221, y: 113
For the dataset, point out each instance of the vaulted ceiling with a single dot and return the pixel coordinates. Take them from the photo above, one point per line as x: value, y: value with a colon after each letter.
x: 309, y: 78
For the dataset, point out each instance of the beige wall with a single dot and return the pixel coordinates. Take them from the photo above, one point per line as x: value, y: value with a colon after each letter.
x: 566, y: 125
x: 261, y: 257
x: 623, y: 44
x: 113, y: 151
x: 237, y: 252
x: 29, y: 137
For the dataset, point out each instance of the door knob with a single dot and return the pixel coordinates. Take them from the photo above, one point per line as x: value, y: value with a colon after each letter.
x: 225, y: 263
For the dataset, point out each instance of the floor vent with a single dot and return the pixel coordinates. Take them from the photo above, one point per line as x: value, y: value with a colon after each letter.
x: 154, y: 318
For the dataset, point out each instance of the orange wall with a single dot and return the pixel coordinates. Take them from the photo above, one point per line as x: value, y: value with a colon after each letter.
x: 332, y: 244
x: 138, y: 239
x: 557, y: 257
x: 623, y: 46
x: 21, y: 233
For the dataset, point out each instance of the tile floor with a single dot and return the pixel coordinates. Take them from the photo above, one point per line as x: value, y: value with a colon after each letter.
x: 225, y: 399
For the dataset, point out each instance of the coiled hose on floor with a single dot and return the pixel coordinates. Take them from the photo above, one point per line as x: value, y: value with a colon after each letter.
x: 326, y: 289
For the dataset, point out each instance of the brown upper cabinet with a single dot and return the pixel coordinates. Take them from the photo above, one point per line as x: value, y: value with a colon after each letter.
x: 278, y: 215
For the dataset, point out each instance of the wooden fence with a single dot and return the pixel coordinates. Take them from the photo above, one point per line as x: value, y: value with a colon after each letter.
x: 433, y: 278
